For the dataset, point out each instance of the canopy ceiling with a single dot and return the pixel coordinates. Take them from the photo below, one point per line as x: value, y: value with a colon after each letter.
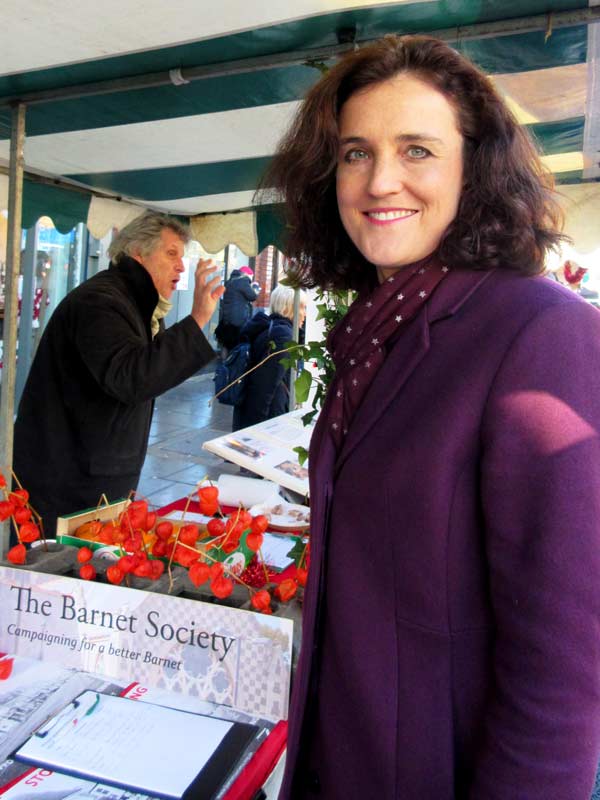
x: 200, y: 146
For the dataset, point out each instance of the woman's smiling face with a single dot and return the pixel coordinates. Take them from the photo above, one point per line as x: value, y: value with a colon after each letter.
x: 400, y: 169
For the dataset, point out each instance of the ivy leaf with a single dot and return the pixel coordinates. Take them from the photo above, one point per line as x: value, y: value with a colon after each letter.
x: 302, y: 454
x: 315, y: 351
x: 297, y: 550
x: 331, y: 307
x: 302, y: 386
x: 322, y: 311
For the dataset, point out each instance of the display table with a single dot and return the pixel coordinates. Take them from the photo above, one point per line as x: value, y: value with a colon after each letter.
x: 66, y: 635
x: 182, y: 645
x: 267, y: 449
x: 202, y: 657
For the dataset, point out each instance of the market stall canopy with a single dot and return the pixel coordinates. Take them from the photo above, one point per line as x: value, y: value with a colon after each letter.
x: 180, y: 109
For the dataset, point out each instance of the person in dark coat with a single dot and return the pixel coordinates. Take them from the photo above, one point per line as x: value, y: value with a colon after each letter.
x: 451, y: 619
x: 236, y: 306
x: 267, y: 389
x: 84, y: 417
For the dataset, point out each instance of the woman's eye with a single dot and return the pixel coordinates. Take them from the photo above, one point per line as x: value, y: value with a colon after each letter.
x: 355, y: 155
x: 414, y: 151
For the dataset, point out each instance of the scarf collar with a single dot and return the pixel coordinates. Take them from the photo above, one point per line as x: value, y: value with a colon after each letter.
x: 358, y: 342
x: 161, y: 310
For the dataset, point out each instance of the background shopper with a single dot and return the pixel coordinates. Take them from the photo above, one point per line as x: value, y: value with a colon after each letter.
x: 236, y: 306
x: 267, y: 389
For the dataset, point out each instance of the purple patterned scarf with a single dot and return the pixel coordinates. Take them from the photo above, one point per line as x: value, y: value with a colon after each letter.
x: 357, y: 343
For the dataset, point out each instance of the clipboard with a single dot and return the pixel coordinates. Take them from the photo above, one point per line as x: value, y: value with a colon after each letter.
x: 155, y: 750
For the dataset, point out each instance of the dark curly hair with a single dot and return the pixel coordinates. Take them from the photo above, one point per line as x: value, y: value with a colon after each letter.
x: 508, y: 216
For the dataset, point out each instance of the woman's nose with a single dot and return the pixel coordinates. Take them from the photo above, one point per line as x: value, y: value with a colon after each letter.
x: 386, y: 177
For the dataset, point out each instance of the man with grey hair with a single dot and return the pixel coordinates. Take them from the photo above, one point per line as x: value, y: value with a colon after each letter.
x: 84, y: 418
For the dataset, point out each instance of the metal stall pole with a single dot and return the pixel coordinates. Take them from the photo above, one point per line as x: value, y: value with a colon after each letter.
x: 275, y: 269
x: 295, y: 334
x: 226, y: 263
x: 25, y: 337
x: 13, y: 259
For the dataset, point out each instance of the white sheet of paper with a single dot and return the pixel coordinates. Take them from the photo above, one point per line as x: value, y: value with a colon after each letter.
x: 190, y: 516
x: 95, y: 738
x: 275, y: 549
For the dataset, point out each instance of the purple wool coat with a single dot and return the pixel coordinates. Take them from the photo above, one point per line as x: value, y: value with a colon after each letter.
x: 451, y: 646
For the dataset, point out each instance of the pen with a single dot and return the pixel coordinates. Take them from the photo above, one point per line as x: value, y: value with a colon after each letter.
x: 61, y: 720
x: 90, y: 710
x: 245, y: 448
x: 57, y: 722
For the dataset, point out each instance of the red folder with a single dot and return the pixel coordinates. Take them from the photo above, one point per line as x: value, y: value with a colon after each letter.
x: 260, y: 766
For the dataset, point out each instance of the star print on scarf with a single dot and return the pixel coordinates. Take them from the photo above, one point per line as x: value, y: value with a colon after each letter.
x: 357, y: 343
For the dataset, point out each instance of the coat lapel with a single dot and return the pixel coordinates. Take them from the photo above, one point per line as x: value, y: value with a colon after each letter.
x: 407, y: 353
x: 410, y: 349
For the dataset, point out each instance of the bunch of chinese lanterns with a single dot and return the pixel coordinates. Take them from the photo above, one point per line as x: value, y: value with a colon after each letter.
x: 150, y: 546
x: 26, y: 521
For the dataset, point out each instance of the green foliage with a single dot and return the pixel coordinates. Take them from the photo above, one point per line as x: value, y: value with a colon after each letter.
x: 297, y: 552
x: 302, y: 454
x: 320, y: 65
x: 302, y: 386
x: 331, y: 307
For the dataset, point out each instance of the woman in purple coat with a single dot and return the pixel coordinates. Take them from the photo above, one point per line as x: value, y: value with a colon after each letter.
x: 451, y: 645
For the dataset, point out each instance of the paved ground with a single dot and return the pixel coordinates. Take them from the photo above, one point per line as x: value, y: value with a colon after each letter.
x: 183, y: 420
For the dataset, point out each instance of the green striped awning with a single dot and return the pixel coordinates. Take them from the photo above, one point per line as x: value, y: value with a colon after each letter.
x: 194, y: 146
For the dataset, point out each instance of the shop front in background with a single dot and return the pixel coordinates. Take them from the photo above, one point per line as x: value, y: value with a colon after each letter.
x: 52, y: 263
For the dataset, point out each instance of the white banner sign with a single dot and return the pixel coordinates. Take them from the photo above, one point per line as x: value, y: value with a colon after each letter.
x: 224, y: 655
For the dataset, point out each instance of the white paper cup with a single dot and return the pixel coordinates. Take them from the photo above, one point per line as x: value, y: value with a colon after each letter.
x: 234, y: 489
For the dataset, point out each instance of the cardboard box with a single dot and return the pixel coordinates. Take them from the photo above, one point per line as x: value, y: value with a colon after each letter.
x: 66, y: 526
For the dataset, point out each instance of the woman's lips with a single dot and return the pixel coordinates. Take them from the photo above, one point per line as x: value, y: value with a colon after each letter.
x: 387, y: 216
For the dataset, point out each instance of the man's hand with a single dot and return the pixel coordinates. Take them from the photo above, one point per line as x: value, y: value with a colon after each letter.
x: 206, y: 292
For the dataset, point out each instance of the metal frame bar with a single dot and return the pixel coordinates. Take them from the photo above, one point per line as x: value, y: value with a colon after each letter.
x: 13, y: 261
x: 591, y: 133
x: 64, y: 183
x: 25, y: 337
x: 483, y: 30
x: 295, y: 336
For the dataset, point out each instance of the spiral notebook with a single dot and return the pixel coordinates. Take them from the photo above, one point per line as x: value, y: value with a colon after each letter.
x: 152, y: 749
